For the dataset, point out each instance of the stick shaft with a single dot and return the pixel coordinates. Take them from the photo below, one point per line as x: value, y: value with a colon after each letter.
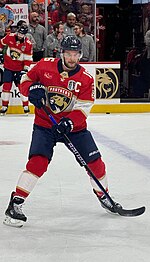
x: 80, y: 158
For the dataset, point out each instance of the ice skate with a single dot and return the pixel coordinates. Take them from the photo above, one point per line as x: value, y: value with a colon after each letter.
x: 106, y: 204
x: 14, y: 215
x: 3, y: 110
x: 26, y: 110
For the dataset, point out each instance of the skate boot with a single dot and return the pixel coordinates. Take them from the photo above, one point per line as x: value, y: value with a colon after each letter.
x: 105, y: 203
x: 26, y: 110
x: 3, y: 110
x: 14, y: 215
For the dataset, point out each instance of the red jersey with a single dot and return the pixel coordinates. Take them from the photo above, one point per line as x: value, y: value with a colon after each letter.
x: 18, y: 55
x: 69, y: 94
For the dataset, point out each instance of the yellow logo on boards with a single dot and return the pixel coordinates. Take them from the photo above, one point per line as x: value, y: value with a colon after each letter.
x: 107, y: 83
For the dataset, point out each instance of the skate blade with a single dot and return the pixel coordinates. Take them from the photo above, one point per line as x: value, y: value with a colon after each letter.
x: 26, y: 114
x: 2, y: 114
x: 8, y: 221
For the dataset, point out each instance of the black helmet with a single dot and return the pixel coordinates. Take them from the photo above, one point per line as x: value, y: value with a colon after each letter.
x: 23, y: 29
x: 72, y: 43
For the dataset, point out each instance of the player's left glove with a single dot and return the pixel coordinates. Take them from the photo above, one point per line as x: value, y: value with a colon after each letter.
x: 64, y: 127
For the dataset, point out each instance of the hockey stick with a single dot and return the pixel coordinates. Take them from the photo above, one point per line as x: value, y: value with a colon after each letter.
x: 118, y: 208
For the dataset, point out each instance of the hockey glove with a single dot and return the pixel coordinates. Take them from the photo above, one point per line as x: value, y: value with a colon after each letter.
x: 19, y: 76
x: 64, y: 127
x: 37, y: 95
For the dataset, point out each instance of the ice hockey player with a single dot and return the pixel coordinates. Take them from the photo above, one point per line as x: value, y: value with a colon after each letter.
x: 17, y: 59
x: 67, y: 90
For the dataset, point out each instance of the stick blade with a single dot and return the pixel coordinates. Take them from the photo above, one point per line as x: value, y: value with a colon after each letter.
x: 129, y: 213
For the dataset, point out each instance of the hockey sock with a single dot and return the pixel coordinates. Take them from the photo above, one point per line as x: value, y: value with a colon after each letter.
x: 98, y: 169
x: 25, y: 184
x: 5, y: 98
x: 6, y: 93
x: 35, y: 168
x: 24, y: 100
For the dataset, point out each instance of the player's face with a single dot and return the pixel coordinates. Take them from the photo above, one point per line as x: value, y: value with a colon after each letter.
x: 20, y: 36
x: 71, y: 58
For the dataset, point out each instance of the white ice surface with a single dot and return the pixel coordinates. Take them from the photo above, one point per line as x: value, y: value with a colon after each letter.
x: 65, y: 220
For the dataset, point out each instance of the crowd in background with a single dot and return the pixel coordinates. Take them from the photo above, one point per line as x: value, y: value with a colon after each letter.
x: 65, y: 17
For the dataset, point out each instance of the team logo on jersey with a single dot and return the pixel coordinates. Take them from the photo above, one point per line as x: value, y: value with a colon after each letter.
x: 64, y: 75
x: 71, y: 85
x: 59, y: 99
x: 14, y: 55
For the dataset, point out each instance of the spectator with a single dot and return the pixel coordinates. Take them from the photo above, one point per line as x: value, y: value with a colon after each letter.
x: 117, y: 49
x: 86, y: 17
x: 6, y: 16
x: 70, y: 23
x: 38, y: 8
x: 72, y: 6
x: 17, y: 59
x: 143, y: 69
x: 54, y: 5
x: 39, y: 34
x: 60, y: 14
x: 28, y: 35
x: 88, y: 45
x: 2, y: 29
x: 34, y: 7
x: 53, y: 40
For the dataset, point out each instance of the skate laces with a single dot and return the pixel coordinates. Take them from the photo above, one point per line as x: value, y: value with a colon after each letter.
x: 18, y: 204
x: 18, y: 208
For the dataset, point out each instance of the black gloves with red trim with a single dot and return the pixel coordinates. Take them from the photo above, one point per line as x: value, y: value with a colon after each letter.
x: 64, y: 127
x: 37, y: 95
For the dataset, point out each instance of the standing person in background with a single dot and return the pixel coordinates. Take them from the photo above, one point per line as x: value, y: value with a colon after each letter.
x: 38, y: 8
x: 53, y: 40
x: 6, y: 16
x: 70, y: 23
x: 17, y: 59
x: 39, y: 34
x: 85, y: 17
x: 88, y: 45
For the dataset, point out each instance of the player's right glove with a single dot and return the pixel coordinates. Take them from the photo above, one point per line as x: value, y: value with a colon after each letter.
x: 37, y: 95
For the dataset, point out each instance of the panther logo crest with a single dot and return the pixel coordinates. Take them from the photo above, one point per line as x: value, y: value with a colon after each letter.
x: 59, y: 99
x: 14, y: 55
